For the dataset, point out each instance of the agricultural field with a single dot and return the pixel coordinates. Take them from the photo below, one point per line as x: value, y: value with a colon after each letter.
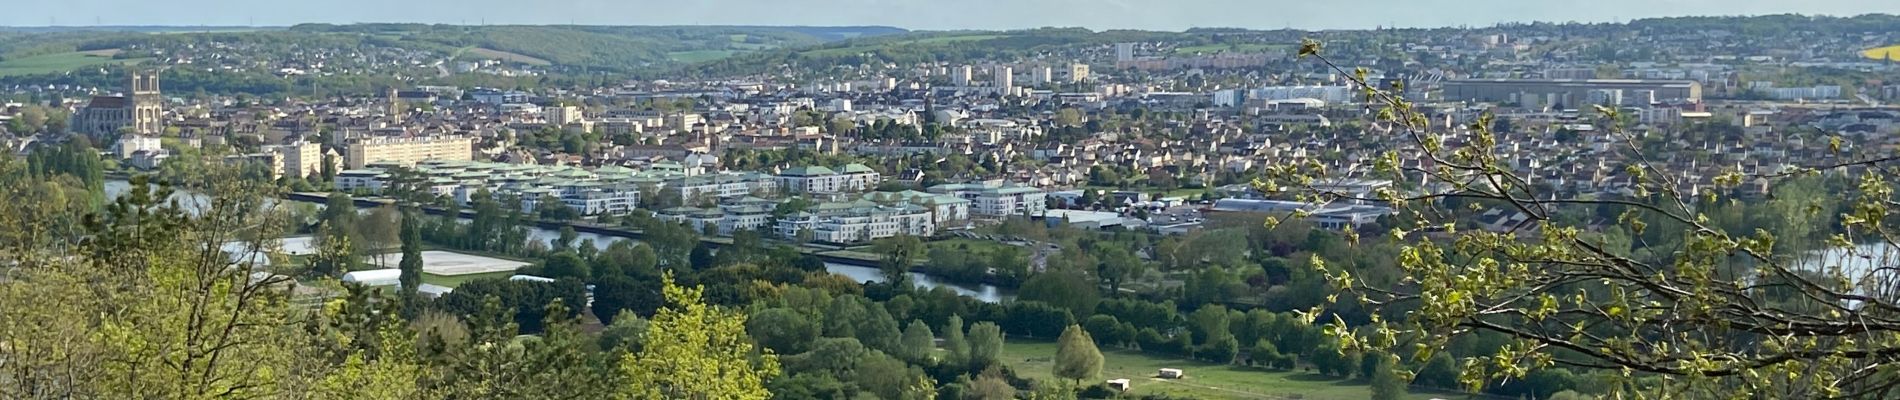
x: 1231, y: 48
x: 61, y: 62
x: 1882, y: 53
x: 1035, y: 359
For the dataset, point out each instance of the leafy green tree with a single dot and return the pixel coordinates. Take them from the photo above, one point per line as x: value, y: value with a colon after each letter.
x: 918, y: 341
x: 334, y: 254
x: 900, y: 253
x: 526, y: 301
x: 783, y: 330
x: 1440, y: 372
x: 1076, y: 356
x: 626, y: 258
x: 956, y: 347
x: 615, y: 295
x: 986, y: 344
x: 378, y: 230
x: 1386, y: 383
x: 565, y: 264
x: 692, y: 350
x: 1069, y: 290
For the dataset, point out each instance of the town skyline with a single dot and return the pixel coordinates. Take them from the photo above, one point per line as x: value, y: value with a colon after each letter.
x: 908, y: 14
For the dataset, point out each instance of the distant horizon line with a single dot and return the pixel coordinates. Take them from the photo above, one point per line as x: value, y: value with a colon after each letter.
x: 1374, y: 27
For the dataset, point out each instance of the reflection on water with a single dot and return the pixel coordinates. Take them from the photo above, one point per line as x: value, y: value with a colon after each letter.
x: 989, y: 293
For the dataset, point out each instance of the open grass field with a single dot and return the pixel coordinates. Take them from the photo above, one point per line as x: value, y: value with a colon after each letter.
x: 61, y: 62
x: 697, y: 56
x: 1034, y: 359
x: 1882, y: 53
x: 1231, y: 48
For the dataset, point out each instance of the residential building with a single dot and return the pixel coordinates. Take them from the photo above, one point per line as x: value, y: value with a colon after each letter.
x: 301, y: 159
x: 815, y: 179
x: 997, y: 200
x: 1005, y: 78
x: 1078, y: 72
x: 1567, y: 91
x: 711, y: 187
x: 943, y: 208
x: 360, y: 152
x: 855, y: 222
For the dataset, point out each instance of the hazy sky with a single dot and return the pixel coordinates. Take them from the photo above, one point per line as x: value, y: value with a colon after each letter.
x: 912, y: 14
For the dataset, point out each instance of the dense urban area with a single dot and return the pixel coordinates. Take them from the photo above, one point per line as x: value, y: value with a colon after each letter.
x: 1665, y: 208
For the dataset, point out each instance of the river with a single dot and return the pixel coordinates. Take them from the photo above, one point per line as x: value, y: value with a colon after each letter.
x: 987, y: 293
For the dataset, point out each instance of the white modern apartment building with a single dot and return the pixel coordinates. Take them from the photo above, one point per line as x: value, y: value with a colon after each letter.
x: 607, y: 190
x: 855, y: 222
x: 742, y: 214
x: 997, y: 200
x: 944, y: 208
x: 726, y: 185
x: 852, y: 178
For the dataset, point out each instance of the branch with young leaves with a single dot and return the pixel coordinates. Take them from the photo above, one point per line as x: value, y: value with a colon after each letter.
x: 1683, y: 322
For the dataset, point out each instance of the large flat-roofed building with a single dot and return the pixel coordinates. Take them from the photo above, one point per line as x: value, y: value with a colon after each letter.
x: 1576, y: 91
x: 407, y: 151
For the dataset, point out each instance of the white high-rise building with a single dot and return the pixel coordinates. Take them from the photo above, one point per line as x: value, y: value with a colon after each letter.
x: 1124, y: 52
x: 1042, y: 75
x: 1005, y: 77
x: 961, y: 77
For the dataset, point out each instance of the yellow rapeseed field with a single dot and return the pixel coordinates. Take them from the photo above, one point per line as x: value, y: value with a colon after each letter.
x: 1883, y: 53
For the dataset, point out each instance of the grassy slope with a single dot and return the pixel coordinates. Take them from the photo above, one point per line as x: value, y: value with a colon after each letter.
x: 507, y: 56
x: 1033, y: 359
x: 696, y: 56
x: 56, y: 63
x: 930, y: 40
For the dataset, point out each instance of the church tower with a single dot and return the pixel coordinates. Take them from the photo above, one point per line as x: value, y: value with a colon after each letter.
x: 395, y: 107
x: 142, y: 94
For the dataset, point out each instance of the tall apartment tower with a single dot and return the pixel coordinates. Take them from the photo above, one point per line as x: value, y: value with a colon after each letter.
x: 141, y: 91
x: 1124, y: 52
x: 961, y: 77
x: 1005, y: 77
x: 1042, y: 75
